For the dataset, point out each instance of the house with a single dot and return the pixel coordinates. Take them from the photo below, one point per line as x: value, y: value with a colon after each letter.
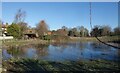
x: 49, y: 33
x: 3, y: 32
x: 30, y: 34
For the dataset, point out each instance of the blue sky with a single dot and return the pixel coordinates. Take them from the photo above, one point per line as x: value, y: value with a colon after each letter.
x: 58, y: 14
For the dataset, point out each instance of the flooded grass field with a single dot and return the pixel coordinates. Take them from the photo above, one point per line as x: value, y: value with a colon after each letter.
x: 72, y: 56
x: 73, y: 51
x: 57, y: 37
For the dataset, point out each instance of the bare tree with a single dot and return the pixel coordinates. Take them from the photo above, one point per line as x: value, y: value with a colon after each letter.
x: 42, y: 28
x: 106, y: 30
x: 23, y: 27
x: 0, y: 28
x: 20, y: 16
x: 117, y: 31
x: 19, y: 20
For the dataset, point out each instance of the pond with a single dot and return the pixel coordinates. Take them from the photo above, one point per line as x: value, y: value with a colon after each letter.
x: 72, y: 51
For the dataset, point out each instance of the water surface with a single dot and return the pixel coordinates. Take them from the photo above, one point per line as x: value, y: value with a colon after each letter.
x: 72, y: 51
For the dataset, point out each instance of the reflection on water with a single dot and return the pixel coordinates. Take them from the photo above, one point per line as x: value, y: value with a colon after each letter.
x: 63, y: 51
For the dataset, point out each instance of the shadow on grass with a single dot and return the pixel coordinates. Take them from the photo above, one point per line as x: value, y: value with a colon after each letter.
x: 32, y: 65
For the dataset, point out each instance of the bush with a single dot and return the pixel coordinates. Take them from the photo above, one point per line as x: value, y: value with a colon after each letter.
x: 59, y: 38
x: 46, y: 37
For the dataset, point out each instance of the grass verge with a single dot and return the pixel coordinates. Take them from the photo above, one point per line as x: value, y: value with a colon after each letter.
x: 25, y: 65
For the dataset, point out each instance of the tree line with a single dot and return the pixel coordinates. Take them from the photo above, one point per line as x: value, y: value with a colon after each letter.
x: 17, y: 30
x: 19, y: 26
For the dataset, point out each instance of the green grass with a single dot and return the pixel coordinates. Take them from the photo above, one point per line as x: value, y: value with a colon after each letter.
x: 23, y: 42
x: 23, y: 65
x: 73, y: 39
x: 103, y: 38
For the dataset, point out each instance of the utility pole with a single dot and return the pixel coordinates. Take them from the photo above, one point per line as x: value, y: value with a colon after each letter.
x: 90, y: 16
